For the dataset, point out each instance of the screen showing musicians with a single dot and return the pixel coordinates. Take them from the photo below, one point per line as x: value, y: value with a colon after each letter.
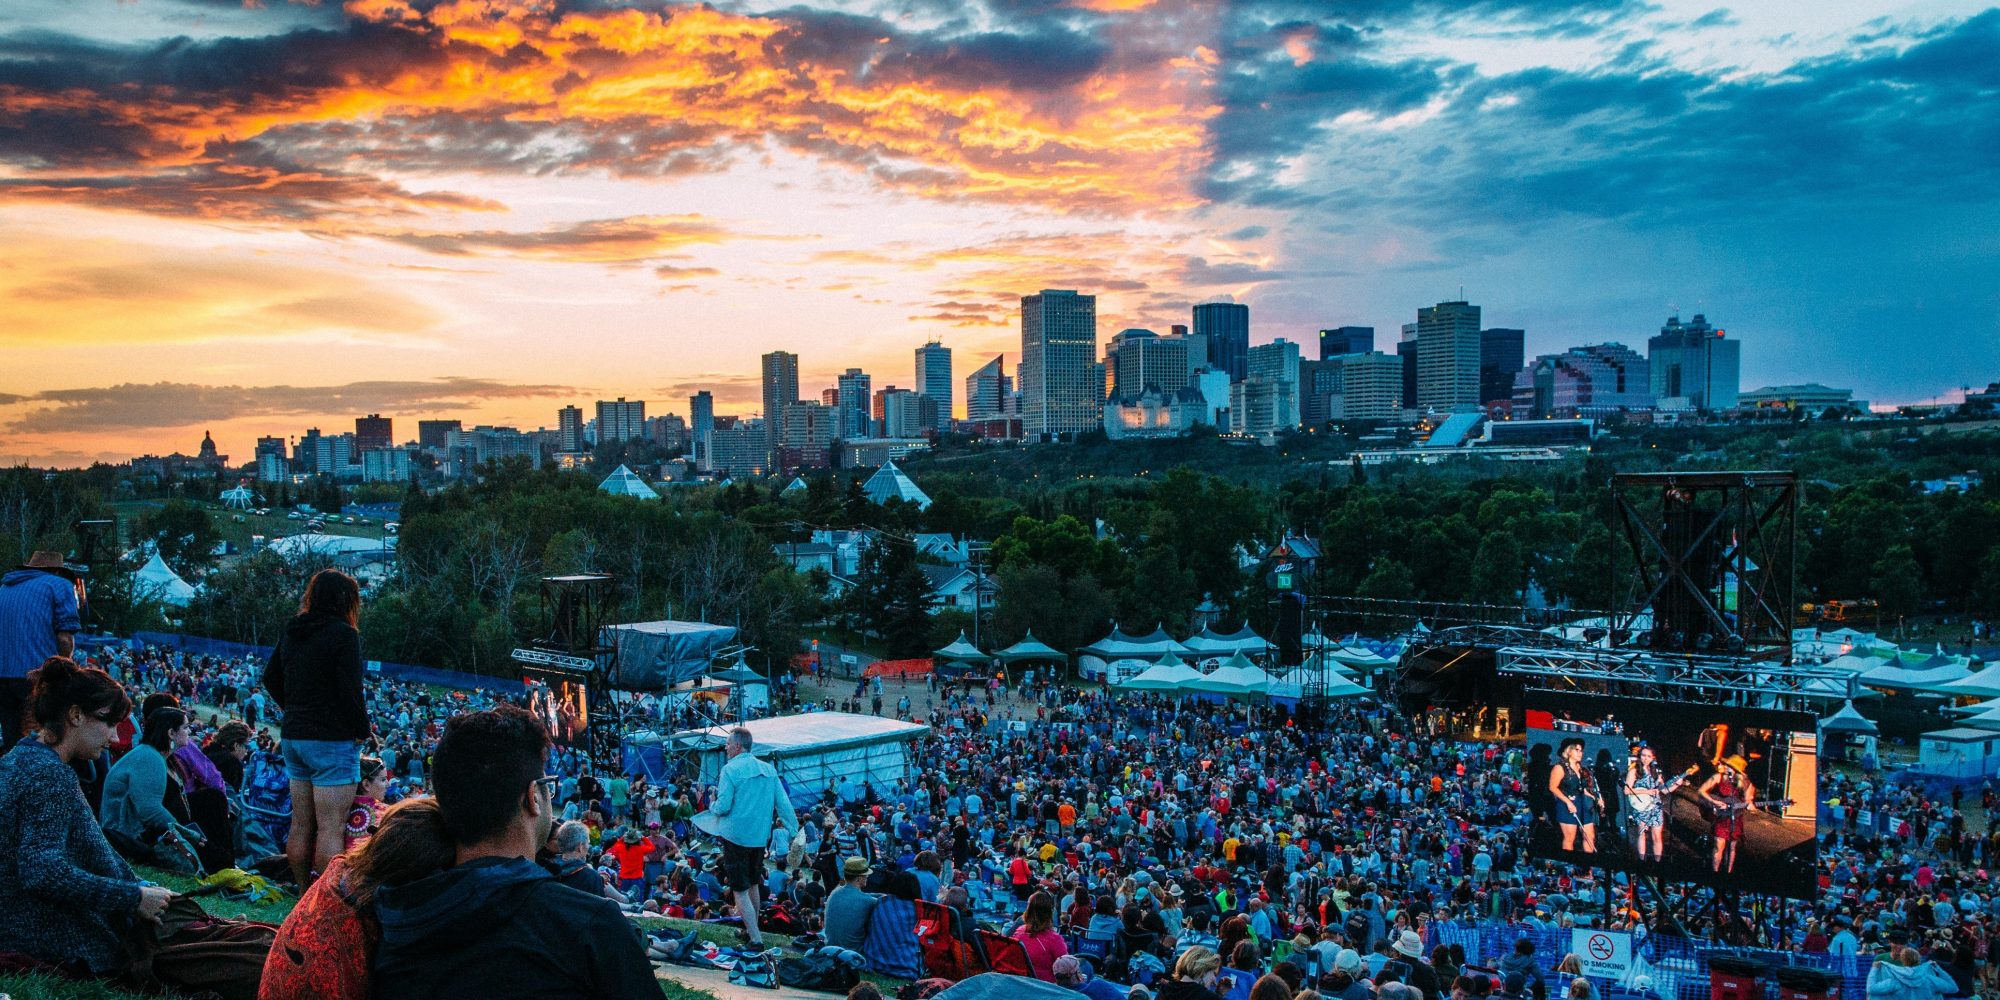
x: 562, y: 702
x: 1701, y: 793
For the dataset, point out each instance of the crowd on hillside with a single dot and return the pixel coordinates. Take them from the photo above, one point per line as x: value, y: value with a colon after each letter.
x: 1177, y: 842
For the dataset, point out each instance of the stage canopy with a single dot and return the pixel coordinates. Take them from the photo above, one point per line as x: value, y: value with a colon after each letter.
x: 654, y: 655
x: 1209, y: 642
x: 817, y: 749
x: 1030, y: 648
x: 158, y: 581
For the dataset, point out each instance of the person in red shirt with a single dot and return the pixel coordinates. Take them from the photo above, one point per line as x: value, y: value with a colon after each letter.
x: 1018, y: 875
x: 631, y: 852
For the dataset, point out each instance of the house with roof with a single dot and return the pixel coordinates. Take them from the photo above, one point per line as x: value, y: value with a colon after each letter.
x: 954, y: 587
x: 804, y: 557
x: 943, y: 547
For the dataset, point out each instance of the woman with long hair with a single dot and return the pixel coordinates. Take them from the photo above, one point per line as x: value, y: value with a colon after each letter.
x: 322, y: 951
x: 1194, y: 976
x: 1576, y: 795
x: 315, y: 675
x: 66, y: 894
x: 1729, y: 792
x: 1038, y: 935
x: 145, y: 812
x: 1646, y: 788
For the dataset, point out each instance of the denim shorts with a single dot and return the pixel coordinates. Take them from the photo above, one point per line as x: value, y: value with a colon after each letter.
x: 323, y: 762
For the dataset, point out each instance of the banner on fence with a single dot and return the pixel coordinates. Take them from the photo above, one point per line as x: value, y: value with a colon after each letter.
x: 1605, y: 954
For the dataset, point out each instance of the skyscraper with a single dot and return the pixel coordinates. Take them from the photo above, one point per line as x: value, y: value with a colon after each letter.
x: 1371, y: 388
x: 854, y: 404
x: 1138, y: 358
x: 434, y: 433
x: 1058, y: 357
x: 569, y: 429
x: 1595, y: 380
x: 1346, y: 340
x: 619, y: 421
x: 1695, y: 362
x: 373, y: 431
x: 987, y: 389
x: 701, y: 423
x: 1448, y: 356
x: 1226, y: 328
x: 1278, y: 362
x: 934, y: 378
x: 1500, y: 355
x: 781, y: 388
x: 1406, y: 351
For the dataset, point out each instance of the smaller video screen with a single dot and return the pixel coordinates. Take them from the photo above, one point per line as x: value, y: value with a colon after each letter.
x: 561, y: 701
x: 1722, y: 796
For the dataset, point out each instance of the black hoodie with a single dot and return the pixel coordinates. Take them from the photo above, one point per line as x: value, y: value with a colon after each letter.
x: 315, y: 675
x: 504, y: 927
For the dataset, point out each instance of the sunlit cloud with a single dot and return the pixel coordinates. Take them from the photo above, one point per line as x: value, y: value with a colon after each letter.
x: 172, y: 404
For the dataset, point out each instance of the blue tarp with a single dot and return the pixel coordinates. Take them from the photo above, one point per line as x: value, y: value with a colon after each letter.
x: 200, y: 646
x: 657, y: 655
x: 998, y: 986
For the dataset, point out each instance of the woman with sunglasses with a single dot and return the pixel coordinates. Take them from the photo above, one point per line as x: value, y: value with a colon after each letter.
x: 66, y: 894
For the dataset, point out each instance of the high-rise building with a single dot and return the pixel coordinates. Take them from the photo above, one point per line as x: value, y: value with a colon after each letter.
x: 781, y: 389
x: 1448, y: 356
x: 1371, y: 388
x: 669, y: 431
x: 1596, y: 380
x: 270, y: 446
x: 1278, y: 362
x: 1695, y: 362
x: 1319, y: 382
x: 809, y: 435
x: 1346, y: 340
x: 701, y: 423
x: 855, y: 404
x: 373, y: 431
x: 902, y: 413
x: 619, y: 421
x: 987, y: 390
x: 434, y: 433
x: 1501, y: 355
x: 1058, y: 360
x: 1225, y: 326
x: 1139, y: 358
x: 934, y: 380
x: 569, y: 429
x: 1406, y: 349
x: 738, y: 449
x: 1257, y: 407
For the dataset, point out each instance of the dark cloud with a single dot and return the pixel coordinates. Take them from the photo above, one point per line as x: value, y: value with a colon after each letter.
x: 602, y: 241
x: 1034, y: 54
x: 1248, y: 233
x: 672, y: 271
x: 134, y: 406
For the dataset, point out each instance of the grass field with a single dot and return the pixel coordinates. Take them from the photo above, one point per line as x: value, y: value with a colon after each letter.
x: 237, y: 534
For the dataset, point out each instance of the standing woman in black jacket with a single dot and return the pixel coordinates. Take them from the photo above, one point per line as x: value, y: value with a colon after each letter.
x: 315, y: 677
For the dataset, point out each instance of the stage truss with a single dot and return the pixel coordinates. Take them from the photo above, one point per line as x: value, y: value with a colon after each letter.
x: 1711, y: 680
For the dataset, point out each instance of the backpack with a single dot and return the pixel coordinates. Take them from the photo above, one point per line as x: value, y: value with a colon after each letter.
x: 191, y: 952
x: 325, y: 946
x: 755, y: 969
x: 1355, y: 928
x: 820, y: 969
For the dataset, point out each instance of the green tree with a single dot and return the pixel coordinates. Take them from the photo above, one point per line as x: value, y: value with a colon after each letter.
x: 1498, y: 571
x: 906, y: 617
x: 1389, y: 580
x: 1899, y: 582
x: 183, y: 534
x: 1065, y: 612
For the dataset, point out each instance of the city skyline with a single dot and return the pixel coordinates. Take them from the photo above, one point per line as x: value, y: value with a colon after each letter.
x: 254, y: 218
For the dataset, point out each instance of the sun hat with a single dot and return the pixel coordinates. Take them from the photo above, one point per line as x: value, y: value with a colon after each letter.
x: 632, y: 835
x: 853, y: 867
x: 44, y: 559
x: 1410, y: 945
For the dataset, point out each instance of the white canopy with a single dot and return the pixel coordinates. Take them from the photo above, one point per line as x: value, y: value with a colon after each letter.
x: 157, y: 580
x: 1121, y: 645
x: 1336, y: 685
x: 1975, y: 708
x: 1847, y: 720
x: 1359, y: 657
x: 1932, y: 679
x: 1169, y: 674
x: 1237, y: 677
x: 1984, y: 684
x: 1209, y: 642
x: 1984, y: 720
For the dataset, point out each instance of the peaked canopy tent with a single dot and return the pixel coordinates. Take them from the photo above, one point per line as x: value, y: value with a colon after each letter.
x: 1933, y: 679
x: 1031, y: 650
x: 1238, y: 677
x: 623, y: 482
x: 960, y: 651
x: 1984, y: 684
x: 1210, y: 643
x: 1169, y: 674
x: 1975, y: 708
x: 1335, y: 685
x: 1094, y: 660
x: 1847, y: 720
x: 158, y: 580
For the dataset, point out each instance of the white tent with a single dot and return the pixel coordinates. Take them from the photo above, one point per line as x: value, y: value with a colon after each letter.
x: 1336, y: 685
x: 157, y: 580
x: 1169, y: 674
x: 816, y: 750
x: 1237, y: 677
x: 1209, y: 642
x: 1931, y: 678
x: 1984, y: 720
x: 623, y: 482
x: 1990, y: 704
x: 1359, y: 657
x: 1121, y: 644
x: 1984, y: 684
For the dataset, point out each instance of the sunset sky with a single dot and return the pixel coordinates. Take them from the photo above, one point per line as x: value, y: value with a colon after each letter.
x: 253, y: 218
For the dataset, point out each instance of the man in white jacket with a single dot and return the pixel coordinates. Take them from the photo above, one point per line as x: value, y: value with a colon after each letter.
x: 749, y: 800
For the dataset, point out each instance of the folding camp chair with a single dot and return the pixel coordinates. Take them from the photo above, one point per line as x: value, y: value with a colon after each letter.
x: 1004, y: 954
x: 947, y: 955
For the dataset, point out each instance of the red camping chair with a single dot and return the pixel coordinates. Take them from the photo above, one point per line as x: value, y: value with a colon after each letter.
x: 946, y: 955
x: 1005, y: 955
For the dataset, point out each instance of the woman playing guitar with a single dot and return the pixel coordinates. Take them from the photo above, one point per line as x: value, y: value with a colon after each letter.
x: 1729, y: 792
x: 1646, y: 788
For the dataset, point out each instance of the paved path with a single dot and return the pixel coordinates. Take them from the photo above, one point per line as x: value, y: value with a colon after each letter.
x: 717, y: 982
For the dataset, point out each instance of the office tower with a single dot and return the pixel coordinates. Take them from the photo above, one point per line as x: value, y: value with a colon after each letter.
x: 1278, y: 362
x: 270, y: 446
x: 1448, y: 356
x: 987, y: 389
x: 668, y: 431
x: 738, y: 448
x: 1695, y: 362
x: 1406, y: 349
x: 373, y: 431
x: 1371, y: 388
x: 809, y: 435
x: 1257, y: 407
x: 829, y: 397
x: 781, y: 389
x: 1319, y: 382
x: 619, y: 421
x: 701, y: 423
x: 1139, y: 358
x: 569, y: 429
x: 902, y: 413
x: 1595, y: 380
x: 854, y: 404
x: 1346, y: 340
x: 934, y: 380
x: 434, y: 433
x: 1500, y: 356
x: 1225, y: 326
x: 306, y: 452
x: 1058, y: 361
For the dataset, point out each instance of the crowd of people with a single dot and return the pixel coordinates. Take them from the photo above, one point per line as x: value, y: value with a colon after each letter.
x: 1201, y: 847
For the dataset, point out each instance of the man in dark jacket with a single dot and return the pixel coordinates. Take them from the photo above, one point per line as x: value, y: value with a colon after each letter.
x: 38, y: 619
x: 496, y: 924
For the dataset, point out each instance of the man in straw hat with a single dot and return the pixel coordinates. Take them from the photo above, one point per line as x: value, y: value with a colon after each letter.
x: 39, y: 618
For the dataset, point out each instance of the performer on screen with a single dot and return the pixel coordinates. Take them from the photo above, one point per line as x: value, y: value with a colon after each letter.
x: 1730, y: 794
x: 1646, y: 789
x: 1578, y: 802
